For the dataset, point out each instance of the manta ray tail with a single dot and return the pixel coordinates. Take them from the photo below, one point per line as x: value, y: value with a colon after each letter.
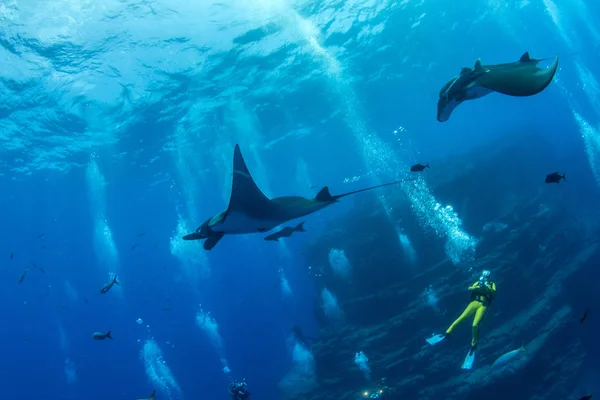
x: 326, y: 197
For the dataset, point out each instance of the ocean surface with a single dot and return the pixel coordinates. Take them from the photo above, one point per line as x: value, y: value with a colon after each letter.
x: 118, y: 121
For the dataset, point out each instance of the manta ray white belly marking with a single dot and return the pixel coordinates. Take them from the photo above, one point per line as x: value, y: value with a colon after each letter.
x: 477, y: 92
x: 472, y: 93
x: 237, y: 222
x: 242, y: 173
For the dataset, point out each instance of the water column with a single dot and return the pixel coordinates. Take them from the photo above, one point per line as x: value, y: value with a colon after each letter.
x: 378, y: 156
x: 104, y: 244
x: 210, y: 327
x: 192, y: 258
x: 590, y: 132
x: 157, y: 370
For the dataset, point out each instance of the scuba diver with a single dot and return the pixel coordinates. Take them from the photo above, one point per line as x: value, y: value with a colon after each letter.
x: 482, y: 294
x: 238, y: 390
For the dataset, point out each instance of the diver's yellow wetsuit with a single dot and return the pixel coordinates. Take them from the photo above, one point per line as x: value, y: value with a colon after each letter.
x: 482, y: 295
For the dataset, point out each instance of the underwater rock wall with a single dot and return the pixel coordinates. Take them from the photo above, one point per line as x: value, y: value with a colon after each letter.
x: 533, y: 237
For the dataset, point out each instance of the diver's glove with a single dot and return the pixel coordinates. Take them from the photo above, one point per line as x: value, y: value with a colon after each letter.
x: 487, y: 287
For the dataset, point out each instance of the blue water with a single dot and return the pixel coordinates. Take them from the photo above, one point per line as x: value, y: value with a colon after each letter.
x: 119, y: 118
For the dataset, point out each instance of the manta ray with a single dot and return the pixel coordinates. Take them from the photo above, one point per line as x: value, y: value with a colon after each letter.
x: 522, y: 78
x: 250, y: 211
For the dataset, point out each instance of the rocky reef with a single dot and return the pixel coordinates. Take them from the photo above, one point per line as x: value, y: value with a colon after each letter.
x: 541, y: 243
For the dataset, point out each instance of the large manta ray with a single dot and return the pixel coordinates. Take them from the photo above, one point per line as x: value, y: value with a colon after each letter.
x: 250, y: 211
x: 521, y: 78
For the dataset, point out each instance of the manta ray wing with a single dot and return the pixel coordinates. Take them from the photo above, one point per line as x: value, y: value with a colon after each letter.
x: 522, y: 78
x: 246, y: 197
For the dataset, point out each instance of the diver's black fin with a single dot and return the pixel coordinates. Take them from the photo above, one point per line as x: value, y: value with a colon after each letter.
x: 212, y: 240
x: 246, y: 197
x: 525, y: 57
x: 300, y: 227
x: 564, y: 176
x: 152, y: 395
x: 108, y: 335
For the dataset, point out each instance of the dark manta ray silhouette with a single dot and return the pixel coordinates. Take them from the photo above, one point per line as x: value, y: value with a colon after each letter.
x: 250, y: 211
x: 522, y: 78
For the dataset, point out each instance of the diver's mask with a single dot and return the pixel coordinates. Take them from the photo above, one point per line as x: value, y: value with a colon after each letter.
x: 484, y: 276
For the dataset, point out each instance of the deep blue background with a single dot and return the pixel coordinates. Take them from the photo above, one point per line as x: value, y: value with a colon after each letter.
x: 243, y: 291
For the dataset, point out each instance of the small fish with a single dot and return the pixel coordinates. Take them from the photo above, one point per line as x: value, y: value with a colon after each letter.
x: 152, y: 396
x: 286, y: 232
x: 86, y: 301
x: 508, y: 357
x: 141, y: 234
x: 299, y: 335
x: 12, y: 255
x: 588, y: 397
x: 43, y: 246
x: 101, y: 336
x: 555, y: 177
x: 585, y: 314
x: 22, y: 278
x: 41, y: 235
x: 109, y: 285
x: 39, y: 269
x: 419, y: 167
x: 134, y: 246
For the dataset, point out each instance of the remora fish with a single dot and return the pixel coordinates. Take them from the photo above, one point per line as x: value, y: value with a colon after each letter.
x: 522, y: 78
x: 102, y: 336
x: 250, y: 211
x: 286, y: 232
